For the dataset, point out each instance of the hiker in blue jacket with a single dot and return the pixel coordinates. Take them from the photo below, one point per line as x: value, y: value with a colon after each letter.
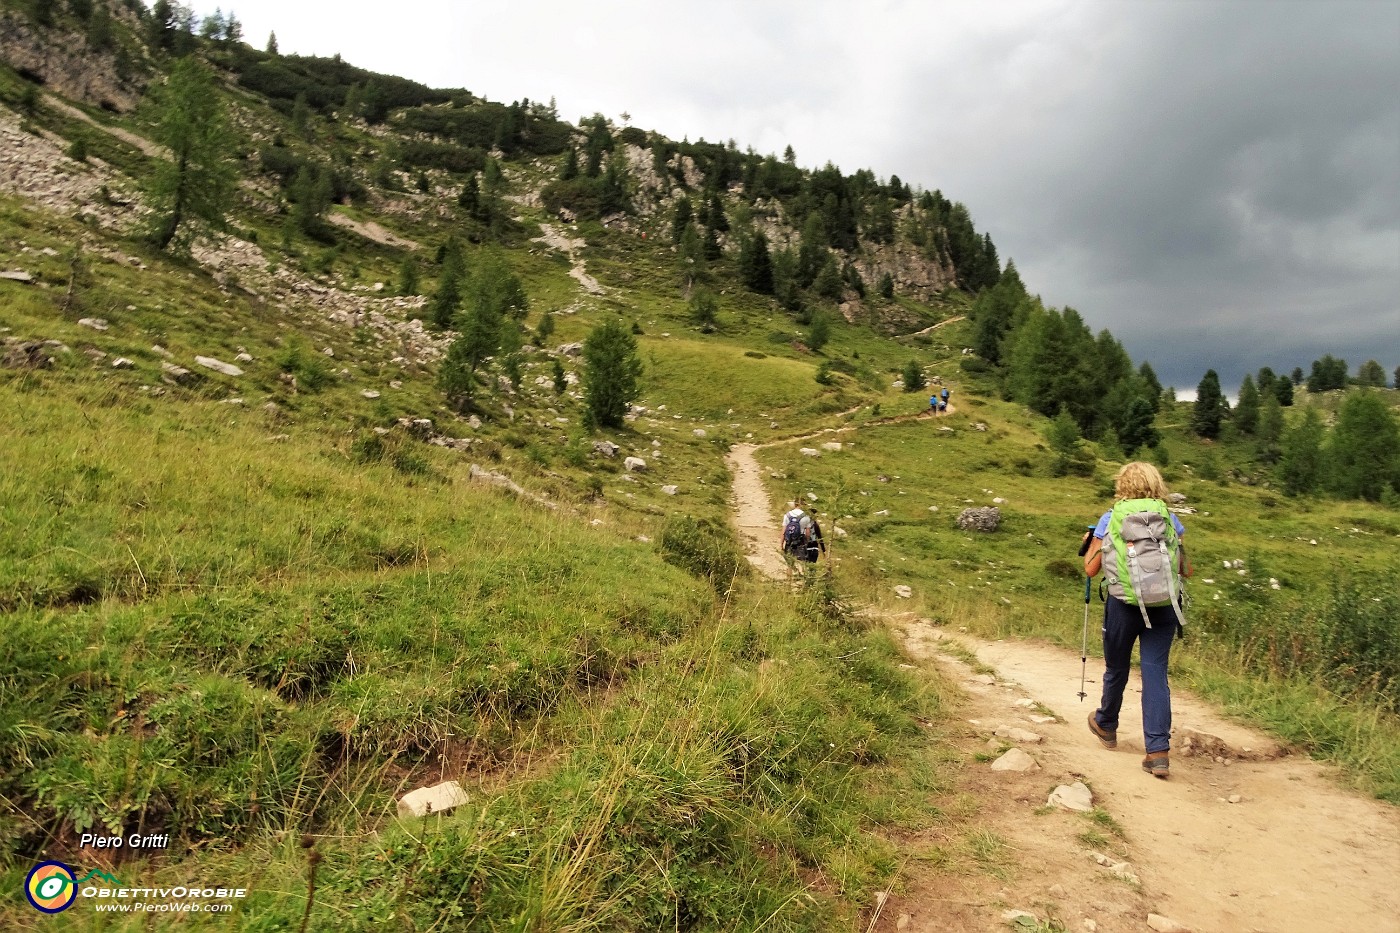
x: 1124, y: 624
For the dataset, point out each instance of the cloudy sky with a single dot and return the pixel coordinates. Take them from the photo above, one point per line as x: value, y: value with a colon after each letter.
x: 1217, y: 183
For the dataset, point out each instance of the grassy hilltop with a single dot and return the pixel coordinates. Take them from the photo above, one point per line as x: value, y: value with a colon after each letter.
x: 251, y: 611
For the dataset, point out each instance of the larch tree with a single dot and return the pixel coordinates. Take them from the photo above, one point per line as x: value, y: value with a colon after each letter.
x: 191, y: 192
x: 1210, y: 408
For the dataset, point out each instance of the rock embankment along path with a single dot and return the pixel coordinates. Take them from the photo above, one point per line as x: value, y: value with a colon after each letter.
x: 1243, y: 838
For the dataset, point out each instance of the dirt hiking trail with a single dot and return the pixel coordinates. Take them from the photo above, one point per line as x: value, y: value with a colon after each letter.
x: 1243, y: 838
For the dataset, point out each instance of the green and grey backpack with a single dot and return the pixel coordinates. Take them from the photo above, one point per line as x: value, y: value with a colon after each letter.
x: 1142, y: 556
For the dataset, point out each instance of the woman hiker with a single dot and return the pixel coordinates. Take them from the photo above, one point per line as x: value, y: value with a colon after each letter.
x: 1124, y: 624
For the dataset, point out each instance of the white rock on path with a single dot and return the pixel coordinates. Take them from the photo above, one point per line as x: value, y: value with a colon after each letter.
x: 436, y: 799
x: 1072, y: 797
x: 1166, y: 924
x: 1015, y: 760
x: 1017, y: 734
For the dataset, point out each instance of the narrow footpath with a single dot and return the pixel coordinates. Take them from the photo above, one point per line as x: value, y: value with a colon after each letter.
x: 1243, y: 838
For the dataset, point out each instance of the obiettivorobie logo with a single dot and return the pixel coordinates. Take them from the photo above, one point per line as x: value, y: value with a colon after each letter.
x: 52, y: 887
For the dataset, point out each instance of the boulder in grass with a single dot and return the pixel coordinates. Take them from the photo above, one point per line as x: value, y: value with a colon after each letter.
x: 985, y: 519
x: 634, y: 465
x: 219, y: 366
x: 436, y: 799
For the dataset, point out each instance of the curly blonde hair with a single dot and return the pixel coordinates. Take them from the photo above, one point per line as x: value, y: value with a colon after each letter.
x: 1138, y: 480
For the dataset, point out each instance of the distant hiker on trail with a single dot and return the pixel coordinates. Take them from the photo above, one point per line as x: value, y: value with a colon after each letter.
x: 801, y: 537
x: 1137, y: 544
x: 943, y: 406
x: 933, y: 404
x: 944, y: 396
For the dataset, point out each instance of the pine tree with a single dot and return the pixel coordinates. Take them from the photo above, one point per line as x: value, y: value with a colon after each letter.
x: 1371, y: 374
x: 820, y: 332
x: 812, y: 251
x: 1300, y: 469
x: 1270, y: 434
x: 714, y: 218
x: 408, y: 277
x: 755, y: 264
x: 828, y: 283
x: 1363, y: 453
x: 1297, y: 375
x: 611, y: 373
x: 191, y: 192
x: 691, y: 256
x: 1136, y: 428
x: 1283, y: 391
x: 561, y: 379
x: 886, y: 287
x: 570, y: 169
x: 272, y: 43
x: 1149, y: 379
x: 1210, y: 408
x: 680, y: 219
x: 1246, y: 416
x: 704, y: 310
x: 914, y: 376
x: 1062, y: 435
x: 447, y: 298
x: 470, y: 198
x: 1265, y: 382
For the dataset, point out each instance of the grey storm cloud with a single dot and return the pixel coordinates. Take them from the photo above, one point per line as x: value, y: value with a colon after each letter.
x: 1218, y: 184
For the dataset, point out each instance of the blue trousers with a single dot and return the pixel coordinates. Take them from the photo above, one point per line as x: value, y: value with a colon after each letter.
x: 1122, y: 625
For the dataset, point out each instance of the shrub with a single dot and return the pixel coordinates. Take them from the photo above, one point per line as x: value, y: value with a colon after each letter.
x: 704, y: 547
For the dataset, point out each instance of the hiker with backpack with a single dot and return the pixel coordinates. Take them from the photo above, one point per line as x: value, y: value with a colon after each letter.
x: 1137, y: 545
x: 801, y: 536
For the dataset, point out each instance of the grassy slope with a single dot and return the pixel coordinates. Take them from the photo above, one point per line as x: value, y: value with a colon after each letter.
x: 243, y: 626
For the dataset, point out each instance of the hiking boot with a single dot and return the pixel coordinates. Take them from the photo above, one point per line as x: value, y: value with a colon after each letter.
x: 1156, y: 764
x: 1107, y: 738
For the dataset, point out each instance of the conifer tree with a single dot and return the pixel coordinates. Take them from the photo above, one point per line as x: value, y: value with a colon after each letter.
x: 570, y: 169
x: 1300, y: 469
x: 1145, y: 372
x: 1297, y: 375
x: 704, y: 309
x: 828, y: 283
x: 714, y: 218
x: 447, y: 298
x: 755, y: 264
x: 1283, y: 391
x: 1246, y: 416
x: 785, y: 288
x: 680, y: 219
x: 1270, y: 433
x: 611, y: 372
x: 1210, y: 408
x: 408, y: 277
x: 272, y: 43
x: 914, y: 376
x: 812, y: 251
x: 820, y: 332
x: 886, y: 287
x: 713, y: 250
x: 1136, y: 428
x: 1265, y: 382
x: 191, y: 192
x: 1371, y: 374
x: 691, y: 256
x: 1363, y: 452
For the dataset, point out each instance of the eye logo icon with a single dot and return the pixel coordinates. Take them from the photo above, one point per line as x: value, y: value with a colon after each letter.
x: 51, y: 887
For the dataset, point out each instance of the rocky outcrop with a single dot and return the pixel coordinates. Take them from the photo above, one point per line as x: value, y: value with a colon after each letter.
x: 65, y: 64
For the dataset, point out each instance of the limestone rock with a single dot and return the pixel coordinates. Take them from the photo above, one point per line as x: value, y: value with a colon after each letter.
x: 219, y: 366
x: 370, y: 394
x: 832, y: 446
x: 16, y: 276
x: 1166, y: 924
x: 809, y: 452
x: 698, y: 432
x: 606, y: 448
x: 1017, y: 734
x: 122, y: 362
x: 670, y: 490
x: 1015, y: 760
x: 1072, y: 797
x: 436, y: 799
x: 634, y: 465
x: 903, y: 592
x: 984, y: 519
x: 177, y: 375
x: 96, y: 323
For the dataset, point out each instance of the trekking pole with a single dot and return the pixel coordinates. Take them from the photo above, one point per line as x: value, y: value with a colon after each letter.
x: 1084, y: 646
